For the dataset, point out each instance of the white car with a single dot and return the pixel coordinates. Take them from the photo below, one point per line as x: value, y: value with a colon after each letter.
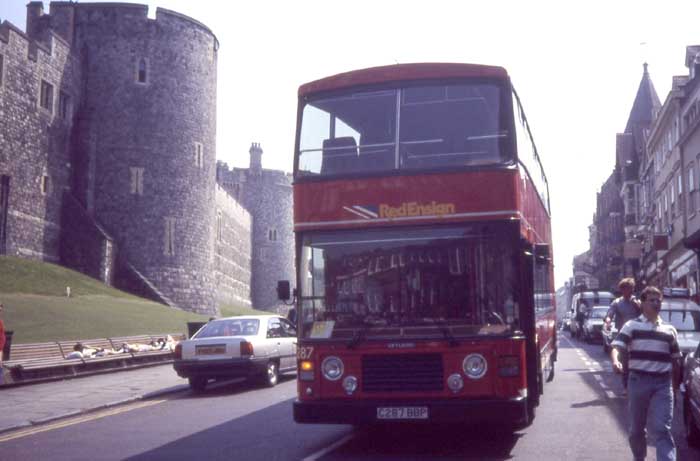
x: 593, y: 325
x: 253, y: 346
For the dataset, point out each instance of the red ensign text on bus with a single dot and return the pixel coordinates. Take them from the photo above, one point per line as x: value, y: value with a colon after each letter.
x: 415, y: 209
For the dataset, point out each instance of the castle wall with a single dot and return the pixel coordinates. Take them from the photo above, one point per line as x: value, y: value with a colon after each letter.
x: 232, y: 250
x: 267, y: 195
x: 143, y: 179
x: 34, y: 141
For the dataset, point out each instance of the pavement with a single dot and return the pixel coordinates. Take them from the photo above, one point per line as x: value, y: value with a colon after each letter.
x: 34, y: 404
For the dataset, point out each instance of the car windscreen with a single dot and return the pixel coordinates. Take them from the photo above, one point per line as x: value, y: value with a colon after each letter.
x: 229, y: 327
x: 682, y: 320
x: 420, y: 282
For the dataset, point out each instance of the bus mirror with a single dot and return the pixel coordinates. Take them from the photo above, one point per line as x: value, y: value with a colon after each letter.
x: 283, y: 292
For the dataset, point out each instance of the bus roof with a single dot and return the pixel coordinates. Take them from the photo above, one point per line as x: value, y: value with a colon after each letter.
x: 418, y: 71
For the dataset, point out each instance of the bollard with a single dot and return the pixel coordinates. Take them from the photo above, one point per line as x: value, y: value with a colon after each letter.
x: 67, y: 292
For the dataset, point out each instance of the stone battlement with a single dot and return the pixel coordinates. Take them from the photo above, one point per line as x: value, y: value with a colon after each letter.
x: 54, y: 44
x: 62, y: 15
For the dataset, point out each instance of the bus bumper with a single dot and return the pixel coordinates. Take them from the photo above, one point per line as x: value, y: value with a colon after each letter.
x: 499, y: 411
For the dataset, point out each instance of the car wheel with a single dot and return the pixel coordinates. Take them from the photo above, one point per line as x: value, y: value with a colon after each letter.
x: 198, y: 384
x: 271, y: 376
x: 692, y: 433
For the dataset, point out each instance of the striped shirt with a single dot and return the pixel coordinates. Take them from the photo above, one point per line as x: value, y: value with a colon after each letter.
x: 652, y: 345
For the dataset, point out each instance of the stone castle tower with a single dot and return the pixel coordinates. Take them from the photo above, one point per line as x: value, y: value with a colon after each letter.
x: 267, y: 196
x: 108, y: 162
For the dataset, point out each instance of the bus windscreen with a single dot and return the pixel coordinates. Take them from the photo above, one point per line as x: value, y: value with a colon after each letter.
x: 413, y: 283
x: 409, y: 128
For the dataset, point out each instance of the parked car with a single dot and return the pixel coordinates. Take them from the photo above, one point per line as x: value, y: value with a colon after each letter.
x: 680, y: 311
x: 690, y: 389
x: 593, y: 323
x: 259, y: 347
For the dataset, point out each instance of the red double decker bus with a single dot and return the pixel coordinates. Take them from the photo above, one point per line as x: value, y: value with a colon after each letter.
x: 421, y: 214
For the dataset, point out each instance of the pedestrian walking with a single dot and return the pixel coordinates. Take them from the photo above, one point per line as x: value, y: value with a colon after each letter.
x: 653, y: 374
x: 622, y: 309
x: 2, y: 344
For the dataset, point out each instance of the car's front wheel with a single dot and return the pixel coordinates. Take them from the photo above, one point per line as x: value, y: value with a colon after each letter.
x: 198, y: 383
x: 272, y: 374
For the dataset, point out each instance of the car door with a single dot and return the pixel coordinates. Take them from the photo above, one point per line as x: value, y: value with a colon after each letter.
x: 289, y: 344
x: 274, y: 339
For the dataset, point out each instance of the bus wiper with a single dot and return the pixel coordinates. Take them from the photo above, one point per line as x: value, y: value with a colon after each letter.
x: 452, y: 341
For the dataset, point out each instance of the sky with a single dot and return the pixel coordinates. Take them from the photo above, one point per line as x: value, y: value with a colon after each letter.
x: 576, y: 67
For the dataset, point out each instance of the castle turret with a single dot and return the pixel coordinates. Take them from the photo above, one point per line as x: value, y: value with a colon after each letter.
x: 148, y: 143
x: 255, y: 158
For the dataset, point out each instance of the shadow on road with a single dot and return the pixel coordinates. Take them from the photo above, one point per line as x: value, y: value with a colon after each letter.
x: 591, y: 403
x: 229, y: 387
x: 430, y: 442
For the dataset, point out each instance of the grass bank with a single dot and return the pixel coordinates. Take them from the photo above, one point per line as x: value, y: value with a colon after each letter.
x: 37, y: 309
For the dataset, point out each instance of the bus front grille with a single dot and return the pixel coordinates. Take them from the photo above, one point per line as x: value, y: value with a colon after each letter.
x: 407, y: 373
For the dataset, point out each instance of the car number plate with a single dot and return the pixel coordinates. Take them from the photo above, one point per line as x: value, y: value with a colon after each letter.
x: 402, y: 413
x: 210, y: 350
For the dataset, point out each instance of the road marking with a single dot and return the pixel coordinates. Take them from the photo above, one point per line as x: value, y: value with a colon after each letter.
x: 77, y: 420
x: 610, y: 394
x: 329, y: 448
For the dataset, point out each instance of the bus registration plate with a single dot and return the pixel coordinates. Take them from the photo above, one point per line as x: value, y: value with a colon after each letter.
x: 402, y: 413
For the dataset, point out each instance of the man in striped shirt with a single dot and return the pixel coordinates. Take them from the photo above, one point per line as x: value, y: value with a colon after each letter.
x: 653, y: 366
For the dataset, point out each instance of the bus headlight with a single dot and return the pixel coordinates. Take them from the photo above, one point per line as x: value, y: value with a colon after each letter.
x: 350, y: 384
x: 455, y: 382
x: 332, y: 368
x: 474, y: 366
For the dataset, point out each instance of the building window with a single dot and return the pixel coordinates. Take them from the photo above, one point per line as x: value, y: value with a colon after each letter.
x: 2, y: 68
x: 680, y: 184
x: 237, y: 190
x: 262, y: 254
x: 219, y: 226
x: 169, y: 241
x: 692, y: 193
x: 46, y: 99
x: 136, y: 180
x: 199, y: 155
x: 63, y: 105
x: 44, y: 185
x: 142, y: 71
x: 272, y: 235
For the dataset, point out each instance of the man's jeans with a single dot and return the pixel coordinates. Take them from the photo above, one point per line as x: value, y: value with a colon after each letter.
x: 650, y: 400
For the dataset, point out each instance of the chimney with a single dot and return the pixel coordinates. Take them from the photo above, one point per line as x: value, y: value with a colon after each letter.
x: 255, y: 157
x: 35, y: 10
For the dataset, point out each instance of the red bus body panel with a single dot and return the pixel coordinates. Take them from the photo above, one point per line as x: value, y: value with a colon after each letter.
x: 491, y: 385
x: 422, y: 199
